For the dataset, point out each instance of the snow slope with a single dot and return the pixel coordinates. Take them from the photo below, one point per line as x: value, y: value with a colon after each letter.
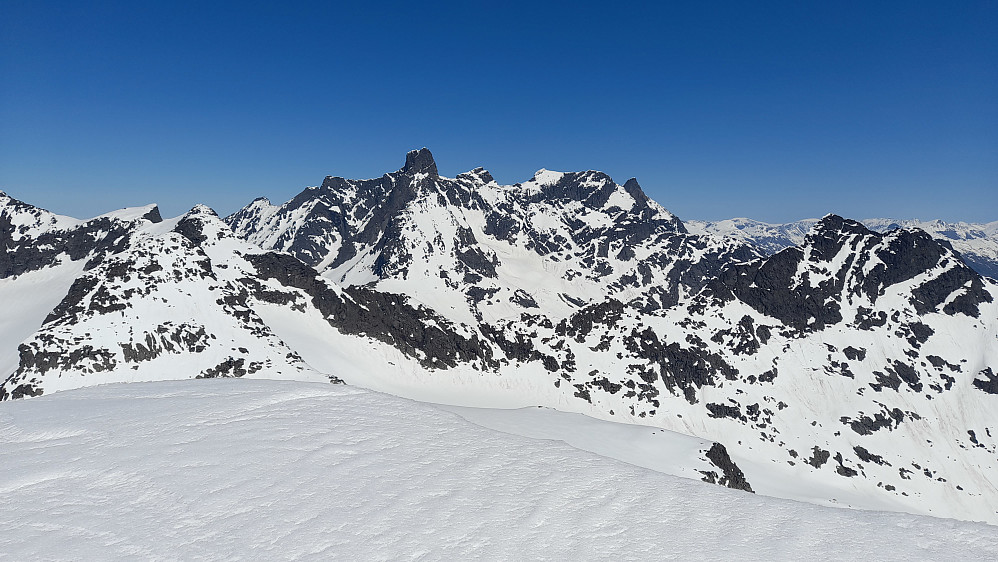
x: 27, y: 300
x: 232, y: 469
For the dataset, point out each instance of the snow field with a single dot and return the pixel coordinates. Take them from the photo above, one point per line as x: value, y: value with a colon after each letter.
x: 227, y: 469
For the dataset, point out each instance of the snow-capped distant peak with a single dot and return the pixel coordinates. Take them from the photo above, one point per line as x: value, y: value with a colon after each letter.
x: 479, y: 176
x: 30, y: 221
x: 148, y: 212
x: 976, y: 242
x: 546, y: 177
x: 202, y: 210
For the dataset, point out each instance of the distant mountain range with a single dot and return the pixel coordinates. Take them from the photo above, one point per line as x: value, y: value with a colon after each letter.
x: 858, y: 359
x: 976, y: 242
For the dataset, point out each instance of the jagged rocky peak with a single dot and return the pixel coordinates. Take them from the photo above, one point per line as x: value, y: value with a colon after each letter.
x: 634, y: 190
x: 607, y: 239
x: 201, y: 224
x: 479, y: 176
x: 420, y: 162
x: 833, y: 225
x: 977, y: 243
x: 596, y: 190
x: 19, y: 219
x: 35, y: 238
x: 202, y: 210
x: 260, y: 201
x: 827, y: 237
x: 900, y: 254
x: 845, y: 271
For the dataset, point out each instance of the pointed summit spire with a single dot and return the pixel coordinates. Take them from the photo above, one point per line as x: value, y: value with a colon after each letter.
x: 635, y: 191
x: 420, y: 162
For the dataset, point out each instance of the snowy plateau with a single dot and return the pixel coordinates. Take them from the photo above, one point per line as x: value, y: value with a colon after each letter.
x: 559, y: 368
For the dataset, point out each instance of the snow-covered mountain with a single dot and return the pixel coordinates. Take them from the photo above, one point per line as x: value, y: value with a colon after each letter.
x: 475, y: 250
x: 976, y: 242
x: 182, y: 298
x: 857, y: 364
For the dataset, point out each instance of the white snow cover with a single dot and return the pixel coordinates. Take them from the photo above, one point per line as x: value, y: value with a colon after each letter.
x: 30, y: 221
x: 232, y: 469
x: 27, y: 300
x: 128, y: 214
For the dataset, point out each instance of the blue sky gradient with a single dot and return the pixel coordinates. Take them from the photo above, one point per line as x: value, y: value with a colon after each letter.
x: 772, y: 110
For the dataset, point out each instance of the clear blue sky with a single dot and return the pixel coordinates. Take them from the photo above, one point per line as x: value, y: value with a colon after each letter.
x: 775, y: 111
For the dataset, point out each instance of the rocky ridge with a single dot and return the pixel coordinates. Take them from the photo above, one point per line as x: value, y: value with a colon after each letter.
x: 976, y: 242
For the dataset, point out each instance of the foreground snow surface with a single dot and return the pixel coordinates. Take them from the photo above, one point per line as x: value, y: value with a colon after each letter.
x: 226, y: 469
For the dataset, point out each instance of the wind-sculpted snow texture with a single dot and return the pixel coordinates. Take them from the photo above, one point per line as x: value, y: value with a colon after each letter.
x: 861, y: 365
x: 976, y: 242
x: 276, y: 470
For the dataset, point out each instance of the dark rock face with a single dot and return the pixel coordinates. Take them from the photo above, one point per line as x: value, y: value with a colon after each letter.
x: 867, y: 456
x: 96, y: 237
x: 724, y: 411
x: 866, y: 425
x: 26, y: 390
x: 343, y: 220
x: 382, y: 316
x: 682, y: 368
x: 574, y: 187
x: 153, y: 215
x: 818, y: 457
x: 31, y: 238
x: 781, y: 286
x: 231, y: 367
x: 167, y: 338
x: 731, y: 475
x: 987, y: 381
x: 191, y: 229
x: 842, y: 469
x: 420, y: 162
x: 854, y: 354
x: 767, y: 286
